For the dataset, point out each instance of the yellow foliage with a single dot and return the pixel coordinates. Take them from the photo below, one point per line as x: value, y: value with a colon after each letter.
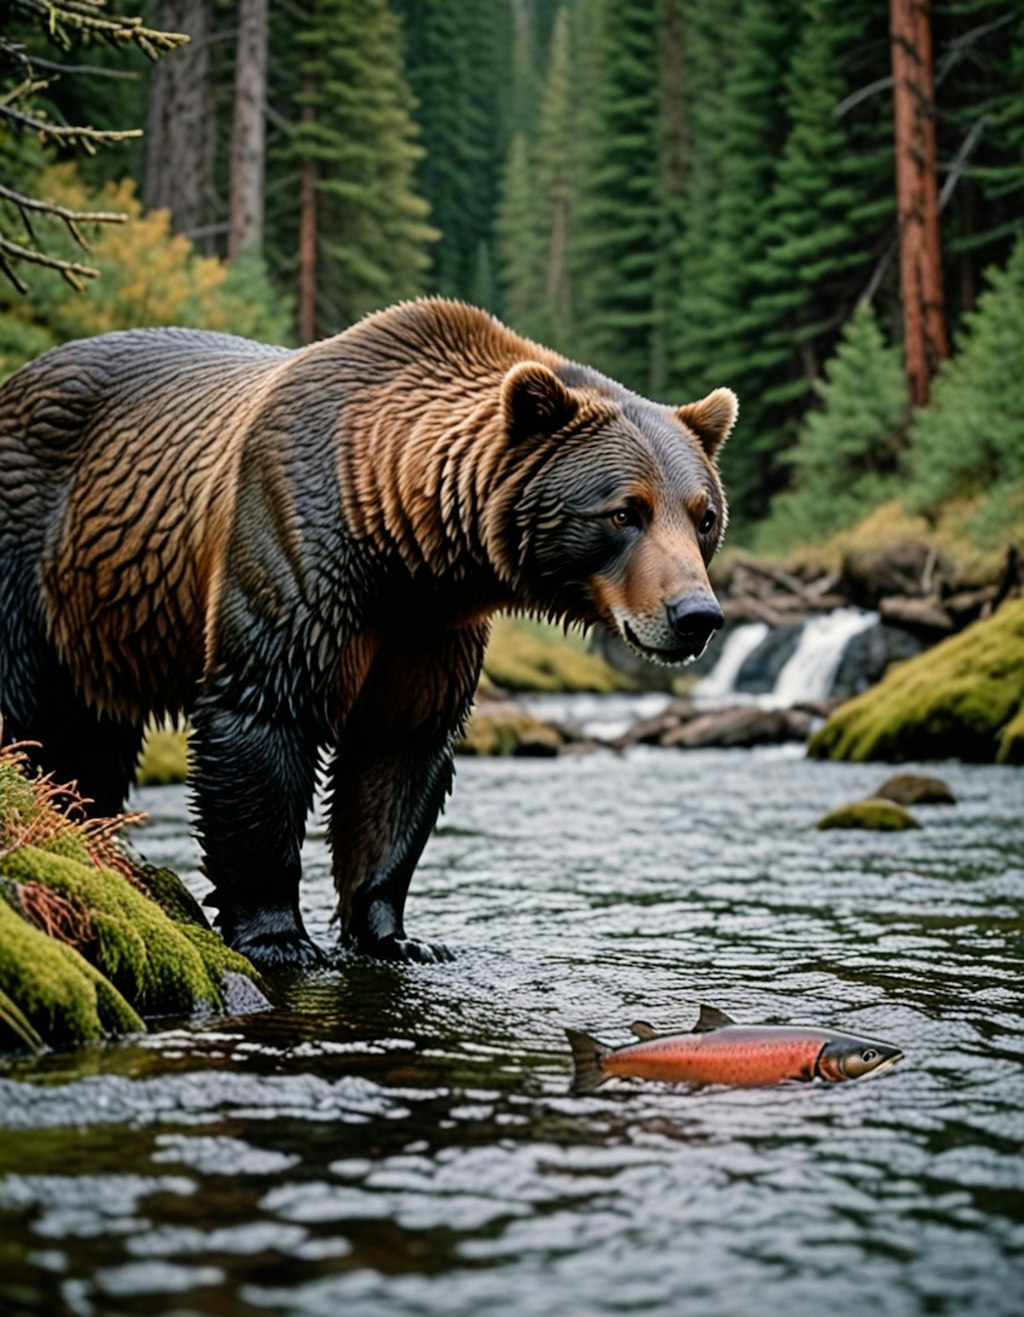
x: 148, y: 275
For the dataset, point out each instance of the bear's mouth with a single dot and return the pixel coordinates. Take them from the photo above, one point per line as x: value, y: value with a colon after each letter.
x: 667, y: 657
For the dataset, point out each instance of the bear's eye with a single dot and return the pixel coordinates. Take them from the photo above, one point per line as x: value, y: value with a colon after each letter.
x: 624, y: 518
x: 707, y: 522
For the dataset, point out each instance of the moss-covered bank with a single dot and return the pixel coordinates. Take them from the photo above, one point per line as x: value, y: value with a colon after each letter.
x: 90, y: 942
x: 963, y: 699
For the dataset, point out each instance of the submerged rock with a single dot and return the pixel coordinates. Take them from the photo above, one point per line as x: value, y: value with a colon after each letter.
x: 963, y: 699
x: 915, y: 789
x: 872, y: 815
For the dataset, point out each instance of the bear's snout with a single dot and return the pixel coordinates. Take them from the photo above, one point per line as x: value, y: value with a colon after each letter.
x: 693, y: 619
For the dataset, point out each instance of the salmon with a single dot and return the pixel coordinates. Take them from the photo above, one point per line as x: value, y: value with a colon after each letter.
x: 719, y: 1051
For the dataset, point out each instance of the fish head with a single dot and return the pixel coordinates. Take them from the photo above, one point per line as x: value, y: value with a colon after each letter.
x: 844, y: 1057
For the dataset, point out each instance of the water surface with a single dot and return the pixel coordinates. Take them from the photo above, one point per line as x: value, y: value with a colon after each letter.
x: 402, y: 1140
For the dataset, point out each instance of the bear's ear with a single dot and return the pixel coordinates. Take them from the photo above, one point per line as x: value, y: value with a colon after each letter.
x: 711, y: 419
x: 535, y: 401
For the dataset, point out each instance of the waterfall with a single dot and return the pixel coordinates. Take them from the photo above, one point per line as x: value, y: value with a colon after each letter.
x: 807, y: 675
x: 739, y: 645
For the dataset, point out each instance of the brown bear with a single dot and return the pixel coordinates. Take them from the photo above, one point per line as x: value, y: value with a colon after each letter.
x: 301, y: 550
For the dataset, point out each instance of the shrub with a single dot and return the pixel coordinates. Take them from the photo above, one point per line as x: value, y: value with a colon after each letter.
x: 148, y: 276
x: 969, y: 439
x: 846, y: 459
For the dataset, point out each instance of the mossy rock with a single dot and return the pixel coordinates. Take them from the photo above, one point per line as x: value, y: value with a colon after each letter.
x: 149, y: 959
x: 872, y: 815
x: 55, y: 990
x: 164, y: 758
x: 533, y: 656
x: 506, y: 730
x: 1011, y: 741
x: 961, y: 699
x: 915, y: 789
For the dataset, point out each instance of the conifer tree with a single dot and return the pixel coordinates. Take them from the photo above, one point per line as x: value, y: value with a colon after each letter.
x: 969, y: 439
x: 553, y: 189
x: 520, y: 242
x: 619, y: 207
x: 848, y: 455
x: 830, y: 208
x: 357, y: 133
x: 451, y: 54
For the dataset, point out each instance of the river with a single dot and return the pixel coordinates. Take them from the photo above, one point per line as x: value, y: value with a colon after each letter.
x: 403, y: 1140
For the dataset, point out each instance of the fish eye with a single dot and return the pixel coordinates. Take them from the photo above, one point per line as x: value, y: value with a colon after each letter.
x: 868, y: 1055
x: 707, y: 522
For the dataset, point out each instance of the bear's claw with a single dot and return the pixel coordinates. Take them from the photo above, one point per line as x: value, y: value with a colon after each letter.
x: 402, y: 950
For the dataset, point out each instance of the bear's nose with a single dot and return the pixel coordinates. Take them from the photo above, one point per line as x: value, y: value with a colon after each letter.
x: 693, y: 617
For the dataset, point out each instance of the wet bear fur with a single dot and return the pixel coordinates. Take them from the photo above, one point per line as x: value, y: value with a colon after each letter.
x: 301, y: 551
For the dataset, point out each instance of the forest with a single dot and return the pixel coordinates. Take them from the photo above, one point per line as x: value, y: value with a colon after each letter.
x: 682, y: 193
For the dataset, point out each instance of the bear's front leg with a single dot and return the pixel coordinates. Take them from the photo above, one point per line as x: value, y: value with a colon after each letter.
x: 253, y: 777
x: 391, y: 773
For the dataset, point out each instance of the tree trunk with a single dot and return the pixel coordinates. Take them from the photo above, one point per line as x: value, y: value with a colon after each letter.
x: 924, y: 328
x: 248, y: 137
x: 180, y: 122
x: 307, y: 235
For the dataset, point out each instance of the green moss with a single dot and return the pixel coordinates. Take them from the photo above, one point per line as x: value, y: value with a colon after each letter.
x: 147, y: 957
x: 505, y: 730
x: 1011, y: 741
x: 15, y: 1030
x: 533, y: 656
x: 60, y: 995
x: 873, y: 815
x: 164, y: 758
x: 961, y: 700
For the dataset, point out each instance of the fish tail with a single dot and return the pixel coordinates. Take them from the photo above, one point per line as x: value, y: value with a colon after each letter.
x: 588, y: 1055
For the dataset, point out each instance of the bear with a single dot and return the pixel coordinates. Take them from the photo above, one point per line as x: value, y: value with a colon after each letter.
x: 301, y: 551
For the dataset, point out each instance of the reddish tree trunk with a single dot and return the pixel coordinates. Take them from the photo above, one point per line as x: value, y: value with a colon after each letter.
x: 307, y: 236
x: 245, y: 219
x: 917, y: 194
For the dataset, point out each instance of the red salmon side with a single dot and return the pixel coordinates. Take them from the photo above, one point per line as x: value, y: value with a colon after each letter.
x: 736, y: 1055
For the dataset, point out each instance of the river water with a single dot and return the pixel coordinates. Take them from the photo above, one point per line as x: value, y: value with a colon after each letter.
x: 404, y: 1140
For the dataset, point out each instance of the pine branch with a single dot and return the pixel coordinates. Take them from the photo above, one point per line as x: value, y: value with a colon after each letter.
x: 84, y: 18
x: 73, y: 271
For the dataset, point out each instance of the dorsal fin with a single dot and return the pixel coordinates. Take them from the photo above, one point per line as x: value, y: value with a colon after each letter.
x: 711, y: 1018
x: 643, y: 1030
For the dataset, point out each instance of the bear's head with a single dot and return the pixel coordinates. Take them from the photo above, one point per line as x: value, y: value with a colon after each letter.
x: 612, y: 508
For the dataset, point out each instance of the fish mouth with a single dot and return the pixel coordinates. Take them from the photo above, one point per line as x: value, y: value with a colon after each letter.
x: 885, y: 1064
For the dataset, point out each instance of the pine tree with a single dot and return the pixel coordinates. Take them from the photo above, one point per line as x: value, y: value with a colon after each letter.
x: 969, y: 439
x: 717, y: 331
x: 520, y: 242
x: 848, y: 455
x: 356, y: 132
x: 830, y: 209
x: 451, y: 59
x: 619, y: 208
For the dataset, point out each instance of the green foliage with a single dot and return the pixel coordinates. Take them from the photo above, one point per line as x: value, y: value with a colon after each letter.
x: 149, y: 276
x: 619, y: 214
x: 847, y: 456
x: 372, y: 230
x: 454, y: 65
x: 971, y: 436
x: 962, y: 699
